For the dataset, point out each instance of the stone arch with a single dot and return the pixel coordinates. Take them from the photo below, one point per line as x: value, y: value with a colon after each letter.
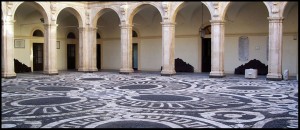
x: 73, y: 11
x: 178, y: 6
x: 101, y: 11
x: 40, y: 6
x: 139, y: 6
x: 286, y: 9
x: 230, y: 3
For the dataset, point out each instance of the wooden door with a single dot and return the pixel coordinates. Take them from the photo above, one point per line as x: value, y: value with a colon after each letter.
x: 38, y: 57
x: 98, y: 56
x: 135, y: 56
x: 71, y: 56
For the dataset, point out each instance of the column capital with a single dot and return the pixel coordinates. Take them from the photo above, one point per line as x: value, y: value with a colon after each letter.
x: 217, y: 21
x: 93, y: 28
x: 82, y: 29
x: 275, y: 19
x: 8, y: 22
x: 51, y: 24
x: 168, y: 23
x: 126, y: 26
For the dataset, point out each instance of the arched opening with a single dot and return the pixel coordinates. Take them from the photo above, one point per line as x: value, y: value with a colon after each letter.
x: 290, y: 42
x: 28, y: 46
x: 191, y: 47
x: 68, y: 21
x: 108, y: 52
x: 246, y: 37
x: 147, y: 43
x: 38, y: 33
x: 135, y: 41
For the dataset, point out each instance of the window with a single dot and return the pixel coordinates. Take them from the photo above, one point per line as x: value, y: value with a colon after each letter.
x: 38, y: 33
x: 98, y: 36
x: 71, y: 36
x: 134, y: 34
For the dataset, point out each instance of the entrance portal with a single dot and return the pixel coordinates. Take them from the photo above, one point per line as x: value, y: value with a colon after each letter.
x: 98, y: 56
x: 135, y: 56
x: 206, y: 54
x: 37, y: 56
x: 71, y: 56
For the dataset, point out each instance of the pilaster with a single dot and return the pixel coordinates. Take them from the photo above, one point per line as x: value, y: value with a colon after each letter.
x: 275, y: 49
x: 7, y: 49
x: 126, y: 49
x: 83, y: 50
x: 217, y: 49
x: 93, y: 49
x: 168, y: 48
x: 50, y: 52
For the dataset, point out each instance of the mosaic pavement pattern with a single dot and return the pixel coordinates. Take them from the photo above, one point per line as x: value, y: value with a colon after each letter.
x: 146, y: 100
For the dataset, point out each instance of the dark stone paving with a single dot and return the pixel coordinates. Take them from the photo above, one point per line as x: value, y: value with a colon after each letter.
x: 147, y: 100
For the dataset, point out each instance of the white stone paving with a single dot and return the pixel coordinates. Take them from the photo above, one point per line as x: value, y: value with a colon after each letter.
x: 143, y: 100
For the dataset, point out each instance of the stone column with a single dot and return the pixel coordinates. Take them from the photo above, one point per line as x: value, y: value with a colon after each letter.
x: 93, y: 49
x: 126, y: 49
x: 50, y: 52
x: 7, y: 48
x: 168, y: 48
x: 217, y: 49
x: 275, y: 48
x: 83, y: 50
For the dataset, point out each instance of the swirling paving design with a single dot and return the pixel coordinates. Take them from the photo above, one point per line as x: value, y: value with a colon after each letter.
x: 147, y: 100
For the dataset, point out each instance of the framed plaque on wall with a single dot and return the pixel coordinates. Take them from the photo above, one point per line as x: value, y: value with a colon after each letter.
x: 19, y: 43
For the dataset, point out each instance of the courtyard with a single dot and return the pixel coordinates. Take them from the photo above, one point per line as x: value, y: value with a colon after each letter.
x: 147, y: 100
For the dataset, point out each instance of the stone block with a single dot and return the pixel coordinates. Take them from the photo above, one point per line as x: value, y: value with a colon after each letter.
x: 285, y: 75
x: 251, y: 73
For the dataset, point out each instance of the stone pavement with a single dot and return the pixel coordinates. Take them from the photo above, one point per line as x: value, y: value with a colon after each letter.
x: 147, y: 100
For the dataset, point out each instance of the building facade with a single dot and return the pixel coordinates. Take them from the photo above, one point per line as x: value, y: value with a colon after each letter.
x: 214, y: 37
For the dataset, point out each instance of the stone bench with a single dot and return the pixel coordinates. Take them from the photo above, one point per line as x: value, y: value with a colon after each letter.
x: 250, y: 73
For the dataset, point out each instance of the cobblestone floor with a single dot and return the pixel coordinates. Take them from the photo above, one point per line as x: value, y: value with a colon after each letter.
x: 147, y: 100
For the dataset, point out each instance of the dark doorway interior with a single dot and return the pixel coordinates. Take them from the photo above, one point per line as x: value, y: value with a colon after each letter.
x: 37, y: 56
x: 71, y: 56
x: 99, y: 56
x: 135, y: 56
x: 206, y: 54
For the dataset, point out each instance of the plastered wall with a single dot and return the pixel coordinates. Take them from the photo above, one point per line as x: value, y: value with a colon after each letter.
x: 111, y: 50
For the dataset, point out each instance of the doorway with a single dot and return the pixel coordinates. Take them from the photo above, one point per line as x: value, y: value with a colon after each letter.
x: 206, y: 54
x: 38, y: 57
x: 71, y: 56
x: 98, y: 56
x: 135, y: 56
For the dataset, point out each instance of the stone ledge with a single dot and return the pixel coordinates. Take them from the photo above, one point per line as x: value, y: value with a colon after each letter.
x: 167, y: 74
x: 274, y: 79
x: 125, y: 72
x: 216, y: 76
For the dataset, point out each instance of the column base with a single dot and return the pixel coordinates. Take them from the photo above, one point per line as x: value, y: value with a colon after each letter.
x: 126, y: 71
x: 83, y: 70
x: 51, y: 72
x: 274, y: 77
x: 93, y: 70
x: 216, y: 74
x: 167, y: 72
x: 9, y: 75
